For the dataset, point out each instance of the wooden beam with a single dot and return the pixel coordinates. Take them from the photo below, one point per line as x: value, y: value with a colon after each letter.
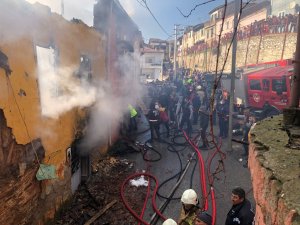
x: 100, y: 213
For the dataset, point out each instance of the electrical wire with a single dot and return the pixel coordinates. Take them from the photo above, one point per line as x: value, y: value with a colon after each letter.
x: 159, y: 24
x: 25, y: 125
x: 195, y: 7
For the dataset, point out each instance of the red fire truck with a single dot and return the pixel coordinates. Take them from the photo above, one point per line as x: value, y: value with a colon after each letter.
x: 266, y: 91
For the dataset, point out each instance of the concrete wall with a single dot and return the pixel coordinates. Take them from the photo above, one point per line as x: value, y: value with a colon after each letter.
x: 275, y: 174
x: 22, y: 27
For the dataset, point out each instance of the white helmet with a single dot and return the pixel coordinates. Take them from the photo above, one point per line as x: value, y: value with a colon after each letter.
x: 189, y: 196
x: 169, y: 222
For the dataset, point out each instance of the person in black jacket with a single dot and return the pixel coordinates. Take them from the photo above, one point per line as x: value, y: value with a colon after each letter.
x: 241, y: 211
x: 153, y: 118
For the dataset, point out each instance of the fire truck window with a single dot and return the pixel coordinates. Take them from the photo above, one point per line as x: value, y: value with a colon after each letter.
x: 255, y: 85
x: 279, y: 85
x: 266, y: 85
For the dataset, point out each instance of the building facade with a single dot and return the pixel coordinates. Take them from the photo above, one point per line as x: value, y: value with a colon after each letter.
x: 282, y: 8
x: 46, y: 63
x: 151, y: 64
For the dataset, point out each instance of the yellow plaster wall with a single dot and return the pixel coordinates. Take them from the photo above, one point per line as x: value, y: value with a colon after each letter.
x: 24, y: 27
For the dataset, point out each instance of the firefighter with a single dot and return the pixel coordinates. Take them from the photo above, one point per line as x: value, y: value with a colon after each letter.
x: 189, y: 200
x: 133, y: 115
x: 169, y: 222
x: 223, y: 113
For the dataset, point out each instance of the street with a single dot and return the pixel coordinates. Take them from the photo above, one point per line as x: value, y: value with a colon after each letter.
x: 233, y: 174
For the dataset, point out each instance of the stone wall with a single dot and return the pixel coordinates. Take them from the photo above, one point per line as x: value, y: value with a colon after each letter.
x: 256, y: 49
x: 275, y: 174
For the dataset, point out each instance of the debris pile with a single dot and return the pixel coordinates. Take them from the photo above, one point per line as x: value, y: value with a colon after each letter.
x: 98, y: 201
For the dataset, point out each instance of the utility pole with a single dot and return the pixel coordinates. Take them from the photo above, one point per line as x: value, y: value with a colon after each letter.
x: 62, y: 8
x: 175, y: 52
x: 296, y: 76
x: 233, y: 62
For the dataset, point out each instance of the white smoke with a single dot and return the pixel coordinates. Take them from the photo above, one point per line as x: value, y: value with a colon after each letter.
x: 60, y: 89
x: 112, y: 102
x: 55, y: 5
x: 129, y: 6
x: 79, y: 9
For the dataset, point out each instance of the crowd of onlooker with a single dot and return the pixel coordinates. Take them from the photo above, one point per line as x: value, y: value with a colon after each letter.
x: 271, y: 25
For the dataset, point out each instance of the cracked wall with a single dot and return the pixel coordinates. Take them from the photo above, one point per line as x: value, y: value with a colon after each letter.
x: 17, y: 177
x: 275, y: 171
x: 26, y: 200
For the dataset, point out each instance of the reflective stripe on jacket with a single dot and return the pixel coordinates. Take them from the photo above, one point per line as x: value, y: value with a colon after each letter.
x: 132, y: 110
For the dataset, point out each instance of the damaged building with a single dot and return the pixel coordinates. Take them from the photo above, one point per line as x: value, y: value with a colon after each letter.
x: 40, y: 167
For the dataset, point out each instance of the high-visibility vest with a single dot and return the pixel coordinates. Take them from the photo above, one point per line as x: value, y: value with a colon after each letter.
x: 132, y: 110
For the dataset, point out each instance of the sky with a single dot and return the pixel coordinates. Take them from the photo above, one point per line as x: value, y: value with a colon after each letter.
x: 165, y: 11
x: 167, y: 14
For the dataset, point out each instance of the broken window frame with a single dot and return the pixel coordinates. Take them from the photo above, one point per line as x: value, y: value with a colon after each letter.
x: 84, y: 72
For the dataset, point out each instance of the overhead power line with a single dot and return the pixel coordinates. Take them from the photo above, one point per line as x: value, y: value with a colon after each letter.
x: 193, y: 9
x: 144, y: 4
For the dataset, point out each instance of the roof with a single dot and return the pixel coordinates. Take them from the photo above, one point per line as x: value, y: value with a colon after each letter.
x: 255, y: 7
x: 146, y: 49
x: 250, y: 8
x: 272, y: 72
x: 151, y: 40
x: 198, y: 27
x: 230, y: 6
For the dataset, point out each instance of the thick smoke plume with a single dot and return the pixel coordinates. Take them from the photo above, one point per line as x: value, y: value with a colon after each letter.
x: 112, y: 102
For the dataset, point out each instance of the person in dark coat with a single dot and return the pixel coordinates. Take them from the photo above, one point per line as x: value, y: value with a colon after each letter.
x: 223, y: 113
x: 241, y: 212
x: 203, y: 218
x: 204, y: 121
x: 196, y: 101
x: 153, y: 118
x: 187, y: 116
x: 248, y: 122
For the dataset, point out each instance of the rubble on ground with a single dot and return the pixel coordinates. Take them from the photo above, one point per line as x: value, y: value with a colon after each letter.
x: 101, y: 189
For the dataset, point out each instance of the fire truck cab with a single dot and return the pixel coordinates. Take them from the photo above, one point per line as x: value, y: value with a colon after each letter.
x: 269, y: 89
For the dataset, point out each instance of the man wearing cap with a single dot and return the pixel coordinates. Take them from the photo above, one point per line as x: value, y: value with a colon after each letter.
x: 203, y: 218
x: 241, y: 211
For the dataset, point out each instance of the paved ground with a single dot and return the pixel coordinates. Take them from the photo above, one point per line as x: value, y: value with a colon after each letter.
x: 169, y: 164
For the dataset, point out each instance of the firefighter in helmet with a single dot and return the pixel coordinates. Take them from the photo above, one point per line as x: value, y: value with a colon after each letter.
x: 169, y: 222
x: 189, y: 200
